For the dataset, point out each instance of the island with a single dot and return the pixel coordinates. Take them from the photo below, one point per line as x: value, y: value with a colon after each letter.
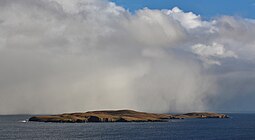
x: 120, y: 116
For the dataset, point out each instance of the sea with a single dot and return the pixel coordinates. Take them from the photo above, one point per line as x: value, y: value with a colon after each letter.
x: 237, y: 127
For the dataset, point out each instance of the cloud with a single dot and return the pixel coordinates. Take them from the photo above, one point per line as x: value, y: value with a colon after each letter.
x: 188, y: 20
x: 215, y: 50
x: 65, y: 56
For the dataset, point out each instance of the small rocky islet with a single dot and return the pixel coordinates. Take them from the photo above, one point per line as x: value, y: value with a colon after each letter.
x: 121, y: 116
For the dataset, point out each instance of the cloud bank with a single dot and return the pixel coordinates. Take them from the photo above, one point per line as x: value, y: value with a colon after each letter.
x: 65, y: 56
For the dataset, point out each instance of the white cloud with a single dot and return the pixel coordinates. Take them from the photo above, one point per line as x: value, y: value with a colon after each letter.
x: 209, y: 52
x: 60, y: 56
x: 188, y: 20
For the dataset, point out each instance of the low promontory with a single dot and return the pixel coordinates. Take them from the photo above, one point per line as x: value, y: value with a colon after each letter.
x: 121, y: 116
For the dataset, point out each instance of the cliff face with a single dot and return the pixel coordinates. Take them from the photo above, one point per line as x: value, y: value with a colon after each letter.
x: 120, y: 116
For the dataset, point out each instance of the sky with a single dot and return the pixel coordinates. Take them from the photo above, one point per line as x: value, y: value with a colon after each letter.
x: 206, y: 8
x: 70, y: 56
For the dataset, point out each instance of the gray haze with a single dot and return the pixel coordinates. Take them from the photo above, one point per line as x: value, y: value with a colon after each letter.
x: 78, y: 55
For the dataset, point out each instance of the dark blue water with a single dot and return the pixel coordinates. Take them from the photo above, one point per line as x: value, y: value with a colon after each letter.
x: 239, y: 126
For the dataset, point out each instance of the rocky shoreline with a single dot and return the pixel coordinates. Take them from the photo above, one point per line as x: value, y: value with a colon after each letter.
x: 121, y: 116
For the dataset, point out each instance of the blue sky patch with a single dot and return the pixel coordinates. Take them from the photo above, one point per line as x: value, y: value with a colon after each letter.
x: 205, y: 8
